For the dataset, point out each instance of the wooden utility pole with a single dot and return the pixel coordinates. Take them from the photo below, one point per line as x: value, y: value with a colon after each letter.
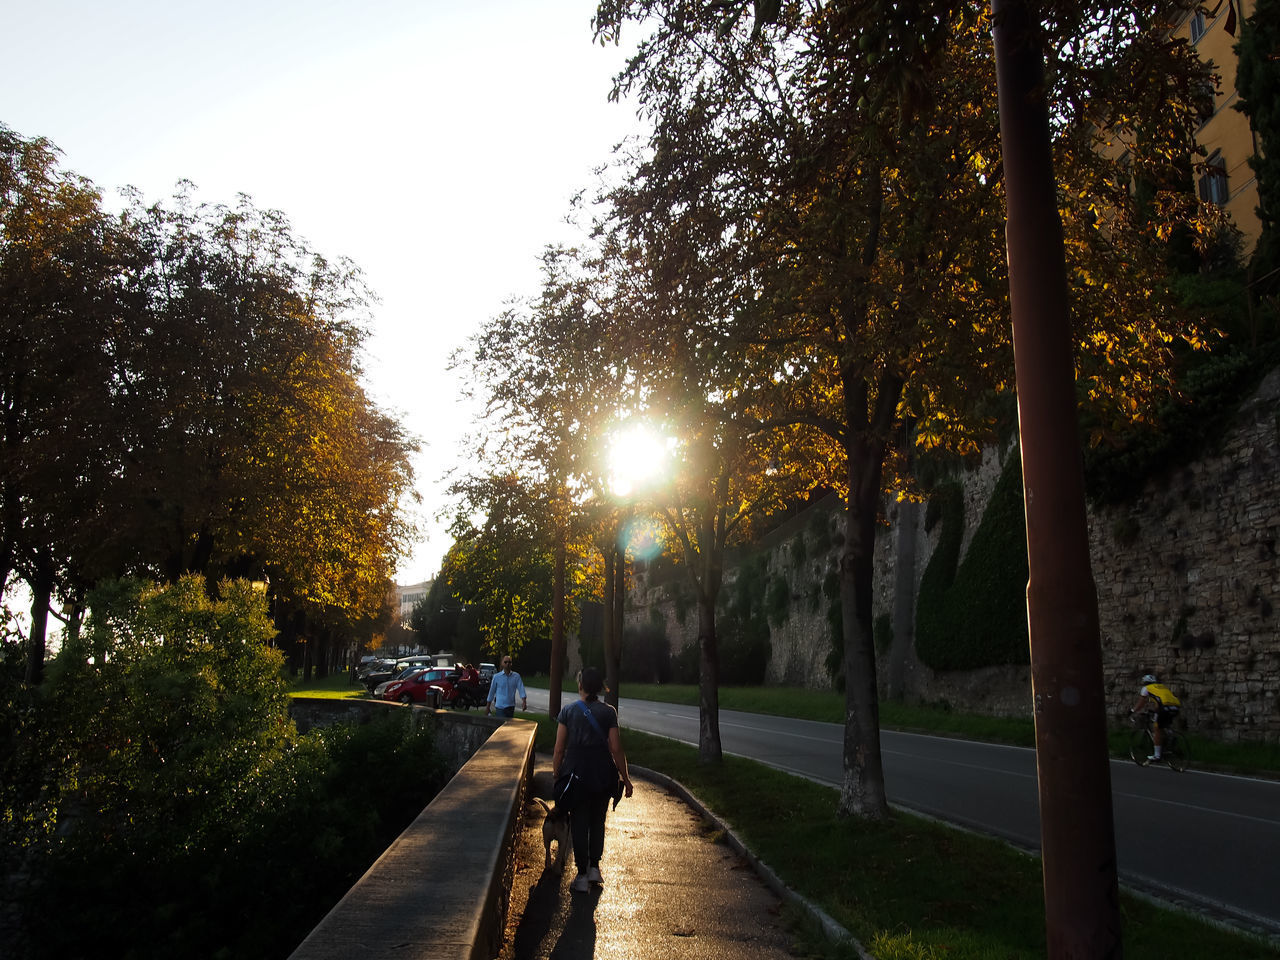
x: 1081, y: 893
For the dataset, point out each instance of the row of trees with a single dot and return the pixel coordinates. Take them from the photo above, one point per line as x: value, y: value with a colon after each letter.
x: 180, y: 393
x: 800, y: 275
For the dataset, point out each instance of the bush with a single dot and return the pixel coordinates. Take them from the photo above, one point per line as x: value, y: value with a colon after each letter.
x: 192, y: 818
x: 972, y: 613
x: 646, y: 655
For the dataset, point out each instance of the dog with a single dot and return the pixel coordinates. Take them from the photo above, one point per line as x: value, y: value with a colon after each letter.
x: 555, y: 827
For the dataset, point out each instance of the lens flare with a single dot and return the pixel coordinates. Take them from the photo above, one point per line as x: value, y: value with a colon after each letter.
x: 641, y: 538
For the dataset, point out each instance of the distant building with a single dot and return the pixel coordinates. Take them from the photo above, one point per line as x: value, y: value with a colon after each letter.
x: 1223, y: 175
x: 407, y: 597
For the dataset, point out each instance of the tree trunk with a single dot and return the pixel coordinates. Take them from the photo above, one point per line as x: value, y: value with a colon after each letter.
x: 41, y: 596
x: 321, y: 657
x: 611, y: 643
x: 709, y: 748
x: 862, y: 791
x: 619, y: 610
x: 304, y: 642
x: 557, y: 627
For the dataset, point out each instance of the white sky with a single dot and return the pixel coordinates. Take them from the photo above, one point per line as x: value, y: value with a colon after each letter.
x: 436, y: 143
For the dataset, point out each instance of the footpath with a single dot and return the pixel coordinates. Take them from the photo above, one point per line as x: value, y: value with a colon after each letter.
x: 672, y: 888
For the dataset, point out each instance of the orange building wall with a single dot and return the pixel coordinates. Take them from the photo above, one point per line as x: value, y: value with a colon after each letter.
x: 1227, y: 129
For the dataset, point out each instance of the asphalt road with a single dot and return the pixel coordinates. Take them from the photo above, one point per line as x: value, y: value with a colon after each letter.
x: 1210, y: 840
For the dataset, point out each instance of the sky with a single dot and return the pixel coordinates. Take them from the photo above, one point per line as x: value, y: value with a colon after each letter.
x: 435, y: 143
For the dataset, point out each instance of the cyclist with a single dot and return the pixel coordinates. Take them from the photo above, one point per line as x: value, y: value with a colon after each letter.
x: 1155, y: 697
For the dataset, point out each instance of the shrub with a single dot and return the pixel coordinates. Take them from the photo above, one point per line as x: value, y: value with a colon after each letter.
x: 972, y: 613
x: 646, y: 655
x: 192, y: 818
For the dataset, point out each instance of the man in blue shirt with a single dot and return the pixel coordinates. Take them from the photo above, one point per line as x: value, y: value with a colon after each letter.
x: 505, y: 686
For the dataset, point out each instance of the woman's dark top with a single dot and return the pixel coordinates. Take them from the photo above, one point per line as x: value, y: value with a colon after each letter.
x: 586, y: 753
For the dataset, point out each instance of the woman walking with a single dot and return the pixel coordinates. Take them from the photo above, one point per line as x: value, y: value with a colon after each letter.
x: 588, y: 746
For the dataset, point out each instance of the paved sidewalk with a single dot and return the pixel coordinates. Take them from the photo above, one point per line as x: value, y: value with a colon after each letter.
x: 671, y: 890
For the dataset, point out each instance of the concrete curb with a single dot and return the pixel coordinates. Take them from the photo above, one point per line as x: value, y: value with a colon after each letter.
x: 832, y: 929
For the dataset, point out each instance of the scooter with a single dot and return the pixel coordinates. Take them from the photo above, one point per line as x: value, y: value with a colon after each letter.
x: 466, y: 695
x: 460, y: 695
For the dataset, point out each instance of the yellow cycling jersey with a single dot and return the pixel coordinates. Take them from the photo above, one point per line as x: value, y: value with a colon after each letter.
x: 1161, y: 695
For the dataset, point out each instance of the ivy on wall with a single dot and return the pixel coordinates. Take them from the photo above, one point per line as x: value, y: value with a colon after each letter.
x: 972, y: 612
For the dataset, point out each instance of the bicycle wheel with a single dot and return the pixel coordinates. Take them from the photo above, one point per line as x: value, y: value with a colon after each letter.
x: 1141, y: 746
x: 1175, y: 751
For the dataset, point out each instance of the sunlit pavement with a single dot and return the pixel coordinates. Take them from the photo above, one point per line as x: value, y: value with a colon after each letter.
x: 671, y: 890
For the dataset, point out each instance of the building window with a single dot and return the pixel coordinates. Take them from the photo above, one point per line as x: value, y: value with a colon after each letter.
x: 1197, y: 26
x: 1213, y: 182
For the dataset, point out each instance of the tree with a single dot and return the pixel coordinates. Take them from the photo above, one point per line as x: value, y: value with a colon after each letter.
x: 554, y: 376
x: 725, y: 467
x: 64, y: 311
x: 860, y: 206
x: 181, y: 394
x: 502, y: 573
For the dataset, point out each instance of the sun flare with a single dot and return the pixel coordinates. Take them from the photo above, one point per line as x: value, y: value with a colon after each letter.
x: 637, y: 456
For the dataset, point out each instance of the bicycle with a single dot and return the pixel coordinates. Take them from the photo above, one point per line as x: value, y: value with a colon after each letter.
x: 1142, y: 745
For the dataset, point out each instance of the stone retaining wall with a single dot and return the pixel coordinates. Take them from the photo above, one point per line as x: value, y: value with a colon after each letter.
x: 1188, y: 580
x: 442, y: 889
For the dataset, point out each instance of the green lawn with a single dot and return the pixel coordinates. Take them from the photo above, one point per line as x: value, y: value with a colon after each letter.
x: 338, y: 686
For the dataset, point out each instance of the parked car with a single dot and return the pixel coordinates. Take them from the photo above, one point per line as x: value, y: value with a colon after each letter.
x: 487, y: 670
x: 376, y: 671
x: 404, y: 673
x: 413, y: 688
x: 394, y: 670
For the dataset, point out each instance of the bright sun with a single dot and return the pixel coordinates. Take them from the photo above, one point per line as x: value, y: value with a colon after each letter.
x: 636, y: 456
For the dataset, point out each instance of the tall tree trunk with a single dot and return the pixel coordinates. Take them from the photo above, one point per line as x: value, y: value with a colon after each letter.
x: 557, y: 626
x: 611, y: 642
x: 41, y: 596
x: 706, y: 568
x: 1077, y: 832
x: 862, y: 789
x: 709, y: 747
x: 306, y: 645
x: 322, y: 653
x: 619, y: 611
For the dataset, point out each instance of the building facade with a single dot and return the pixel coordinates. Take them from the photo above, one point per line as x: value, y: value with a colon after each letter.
x: 1223, y: 174
x: 408, y: 596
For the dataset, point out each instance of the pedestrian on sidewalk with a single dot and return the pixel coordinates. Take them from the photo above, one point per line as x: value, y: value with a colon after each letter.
x: 505, y: 686
x: 589, y: 746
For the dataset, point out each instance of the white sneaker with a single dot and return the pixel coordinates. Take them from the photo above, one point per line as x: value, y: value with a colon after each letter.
x: 593, y: 876
x: 580, y: 884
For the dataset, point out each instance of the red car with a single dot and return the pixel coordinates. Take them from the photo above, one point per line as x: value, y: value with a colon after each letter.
x: 413, y: 688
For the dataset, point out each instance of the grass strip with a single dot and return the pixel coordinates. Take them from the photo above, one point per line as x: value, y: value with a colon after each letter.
x: 907, y: 888
x: 336, y: 686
